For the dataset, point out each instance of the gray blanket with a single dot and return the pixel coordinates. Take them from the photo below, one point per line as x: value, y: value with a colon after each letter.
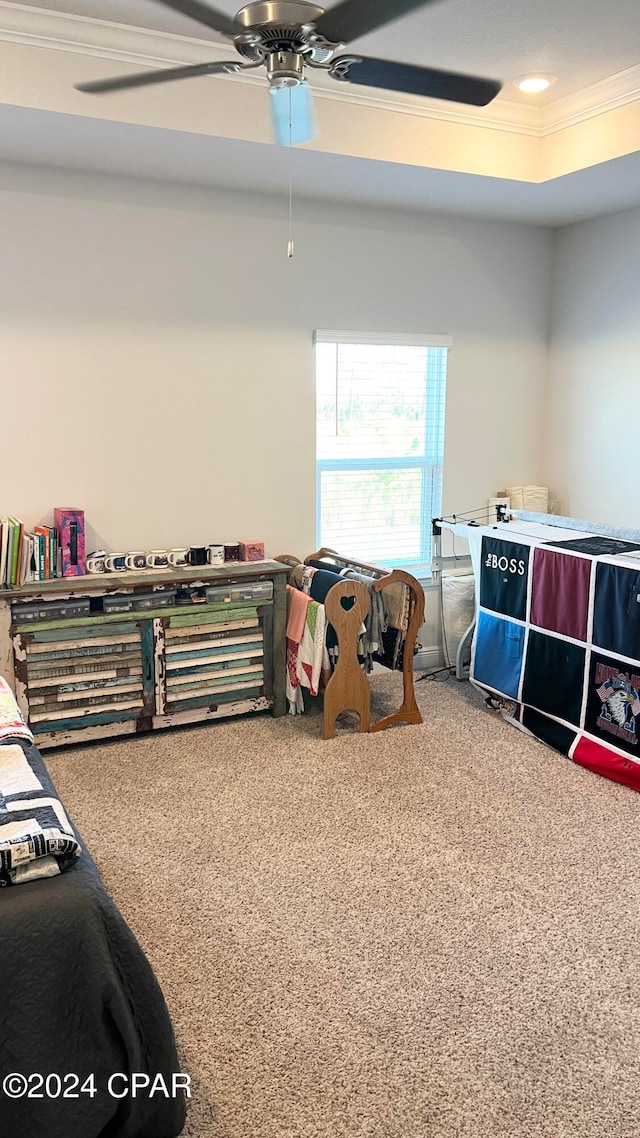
x: 79, y: 998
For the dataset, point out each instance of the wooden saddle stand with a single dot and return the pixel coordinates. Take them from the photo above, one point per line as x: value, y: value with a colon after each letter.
x: 346, y: 605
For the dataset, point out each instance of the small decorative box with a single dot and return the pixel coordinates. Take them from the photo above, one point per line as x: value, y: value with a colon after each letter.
x: 69, y: 523
x: 252, y: 550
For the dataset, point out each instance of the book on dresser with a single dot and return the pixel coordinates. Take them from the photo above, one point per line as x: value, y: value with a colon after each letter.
x: 9, y: 526
x: 15, y: 545
x: 42, y: 536
x: 4, y: 543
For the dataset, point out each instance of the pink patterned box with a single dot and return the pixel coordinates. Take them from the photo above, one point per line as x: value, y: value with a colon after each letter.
x: 252, y: 550
x: 69, y: 523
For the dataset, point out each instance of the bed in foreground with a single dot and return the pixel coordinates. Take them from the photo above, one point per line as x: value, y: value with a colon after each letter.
x: 80, y: 1003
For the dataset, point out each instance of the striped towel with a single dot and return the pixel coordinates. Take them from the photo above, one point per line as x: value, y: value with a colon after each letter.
x: 36, y: 837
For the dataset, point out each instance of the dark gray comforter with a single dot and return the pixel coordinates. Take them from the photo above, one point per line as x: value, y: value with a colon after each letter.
x: 78, y: 998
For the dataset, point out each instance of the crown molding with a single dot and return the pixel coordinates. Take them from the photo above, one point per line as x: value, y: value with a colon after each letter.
x: 607, y: 95
x: 82, y: 35
x: 141, y: 47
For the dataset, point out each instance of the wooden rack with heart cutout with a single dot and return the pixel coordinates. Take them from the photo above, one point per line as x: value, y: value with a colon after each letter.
x: 346, y: 606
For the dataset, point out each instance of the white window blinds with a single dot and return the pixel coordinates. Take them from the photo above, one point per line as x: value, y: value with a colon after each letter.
x: 380, y: 402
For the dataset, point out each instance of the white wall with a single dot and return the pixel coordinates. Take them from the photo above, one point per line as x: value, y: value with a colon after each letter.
x: 157, y: 366
x: 592, y: 452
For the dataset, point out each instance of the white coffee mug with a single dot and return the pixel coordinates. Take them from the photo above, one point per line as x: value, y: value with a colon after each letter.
x: 136, y: 559
x: 215, y: 554
x: 178, y: 557
x: 96, y: 561
x: 158, y: 559
x: 115, y: 562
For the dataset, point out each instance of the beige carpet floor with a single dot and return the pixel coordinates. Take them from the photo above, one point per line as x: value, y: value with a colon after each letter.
x: 429, y: 932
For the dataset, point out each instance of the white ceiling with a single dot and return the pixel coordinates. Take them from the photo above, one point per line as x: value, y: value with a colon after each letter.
x: 593, y: 49
x: 580, y: 41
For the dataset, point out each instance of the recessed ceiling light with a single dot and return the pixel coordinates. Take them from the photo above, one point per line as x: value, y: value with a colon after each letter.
x: 531, y: 84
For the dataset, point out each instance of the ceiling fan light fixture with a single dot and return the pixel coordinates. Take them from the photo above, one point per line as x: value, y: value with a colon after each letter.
x: 284, y: 68
x: 292, y: 114
x: 534, y: 83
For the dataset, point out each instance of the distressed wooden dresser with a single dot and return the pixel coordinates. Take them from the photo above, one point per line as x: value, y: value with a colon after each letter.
x: 115, y: 653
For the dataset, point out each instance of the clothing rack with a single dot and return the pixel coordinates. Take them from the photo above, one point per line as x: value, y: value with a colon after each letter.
x: 348, y: 688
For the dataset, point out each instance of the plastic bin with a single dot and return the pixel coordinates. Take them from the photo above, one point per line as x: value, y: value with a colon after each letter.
x: 122, y: 602
x: 49, y: 610
x: 218, y: 594
x: 158, y: 600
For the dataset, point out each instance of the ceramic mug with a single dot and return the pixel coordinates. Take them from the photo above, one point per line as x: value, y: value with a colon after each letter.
x: 215, y: 554
x: 96, y: 561
x: 197, y: 555
x: 178, y: 557
x: 136, y: 559
x: 232, y: 551
x: 158, y: 559
x: 115, y: 562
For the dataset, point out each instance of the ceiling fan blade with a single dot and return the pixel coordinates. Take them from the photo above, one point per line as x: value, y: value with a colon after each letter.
x: 143, y: 78
x: 292, y: 114
x: 414, y: 80
x: 353, y: 18
x: 210, y: 17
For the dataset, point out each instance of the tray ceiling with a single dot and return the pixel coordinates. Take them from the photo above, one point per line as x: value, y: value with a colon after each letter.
x: 568, y: 153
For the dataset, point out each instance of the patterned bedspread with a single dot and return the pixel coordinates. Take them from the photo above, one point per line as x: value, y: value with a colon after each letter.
x: 12, y: 724
x: 558, y: 636
x: 36, y: 837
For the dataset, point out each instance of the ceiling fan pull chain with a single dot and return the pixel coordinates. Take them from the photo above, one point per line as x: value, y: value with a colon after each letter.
x: 290, y: 241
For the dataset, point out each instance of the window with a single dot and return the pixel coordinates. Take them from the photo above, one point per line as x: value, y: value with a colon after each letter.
x: 380, y: 441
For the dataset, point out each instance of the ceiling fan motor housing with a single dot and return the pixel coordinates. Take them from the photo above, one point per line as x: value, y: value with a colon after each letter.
x: 278, y: 13
x: 280, y: 33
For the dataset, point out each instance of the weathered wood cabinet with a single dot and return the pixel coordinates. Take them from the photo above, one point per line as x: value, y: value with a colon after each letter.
x: 116, y: 653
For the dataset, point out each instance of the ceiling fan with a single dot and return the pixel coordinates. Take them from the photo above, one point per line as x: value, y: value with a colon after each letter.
x: 286, y: 36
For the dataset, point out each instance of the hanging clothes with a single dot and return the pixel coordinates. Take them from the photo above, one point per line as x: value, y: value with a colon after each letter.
x: 316, y: 583
x: 306, y: 650
x: 297, y: 605
x: 376, y: 621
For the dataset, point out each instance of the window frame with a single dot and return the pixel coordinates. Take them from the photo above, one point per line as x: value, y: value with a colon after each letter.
x: 431, y: 463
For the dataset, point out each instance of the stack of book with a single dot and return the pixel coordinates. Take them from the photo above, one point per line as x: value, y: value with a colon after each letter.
x: 26, y: 556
